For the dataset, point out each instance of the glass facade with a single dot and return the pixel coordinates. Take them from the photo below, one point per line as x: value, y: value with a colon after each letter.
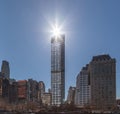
x: 58, y: 70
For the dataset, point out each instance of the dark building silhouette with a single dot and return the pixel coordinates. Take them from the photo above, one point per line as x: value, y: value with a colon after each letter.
x: 5, y: 69
x: 102, y: 70
x: 118, y: 103
x: 4, y: 89
x: 13, y: 93
x: 58, y: 69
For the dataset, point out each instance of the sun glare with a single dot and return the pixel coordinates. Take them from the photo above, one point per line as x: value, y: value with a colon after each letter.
x: 56, y: 31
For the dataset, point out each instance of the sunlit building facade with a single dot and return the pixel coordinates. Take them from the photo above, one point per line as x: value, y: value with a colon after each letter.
x: 41, y: 91
x: 71, y: 95
x: 46, y: 99
x: 58, y: 69
x: 83, y: 88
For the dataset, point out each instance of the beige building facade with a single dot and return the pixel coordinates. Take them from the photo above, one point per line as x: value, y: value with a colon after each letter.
x: 47, y: 99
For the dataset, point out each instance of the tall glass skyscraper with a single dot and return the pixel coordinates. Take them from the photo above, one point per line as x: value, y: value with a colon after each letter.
x: 58, y: 69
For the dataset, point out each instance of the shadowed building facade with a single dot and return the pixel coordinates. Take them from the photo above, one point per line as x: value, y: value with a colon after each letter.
x: 96, y: 84
x: 22, y: 91
x: 5, y: 69
x: 58, y: 69
x: 32, y: 90
x: 102, y: 70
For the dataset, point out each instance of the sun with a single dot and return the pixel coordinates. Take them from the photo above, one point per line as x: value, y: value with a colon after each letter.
x: 56, y: 30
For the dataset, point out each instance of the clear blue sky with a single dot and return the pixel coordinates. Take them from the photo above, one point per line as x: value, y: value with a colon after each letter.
x: 92, y: 27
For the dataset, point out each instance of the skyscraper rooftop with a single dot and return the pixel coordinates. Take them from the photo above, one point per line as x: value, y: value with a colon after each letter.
x: 5, y: 69
x: 101, y: 57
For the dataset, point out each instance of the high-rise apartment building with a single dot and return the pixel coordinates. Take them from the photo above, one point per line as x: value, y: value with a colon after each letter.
x: 32, y: 90
x: 5, y: 69
x: 102, y: 70
x: 58, y: 69
x: 96, y: 84
x: 4, y: 88
x: 41, y: 91
x: 83, y: 88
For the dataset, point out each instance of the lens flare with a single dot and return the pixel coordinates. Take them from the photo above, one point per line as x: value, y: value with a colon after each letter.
x: 56, y: 30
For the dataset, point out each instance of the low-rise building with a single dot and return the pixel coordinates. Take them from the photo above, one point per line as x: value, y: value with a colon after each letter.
x: 71, y: 95
x: 22, y: 91
x: 13, y: 93
x: 47, y: 99
x: 118, y: 103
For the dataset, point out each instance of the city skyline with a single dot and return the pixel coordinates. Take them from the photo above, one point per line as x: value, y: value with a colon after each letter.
x: 91, y: 28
